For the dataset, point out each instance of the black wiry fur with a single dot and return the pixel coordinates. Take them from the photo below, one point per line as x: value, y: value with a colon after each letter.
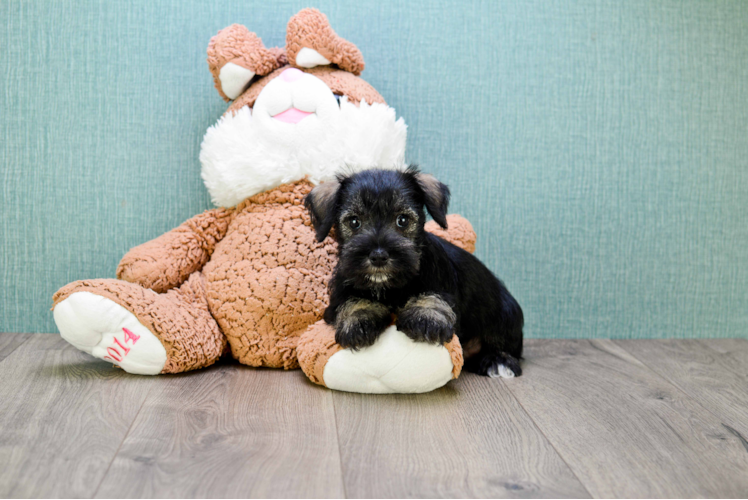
x: 432, y: 286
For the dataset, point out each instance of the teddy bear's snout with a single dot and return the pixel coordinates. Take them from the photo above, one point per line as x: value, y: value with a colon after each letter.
x: 290, y: 75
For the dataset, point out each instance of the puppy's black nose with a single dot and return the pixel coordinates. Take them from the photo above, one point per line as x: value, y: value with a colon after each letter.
x: 379, y: 257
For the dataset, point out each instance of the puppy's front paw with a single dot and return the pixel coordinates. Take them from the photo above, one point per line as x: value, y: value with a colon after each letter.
x: 356, y: 333
x: 360, y: 322
x: 427, y: 318
x: 424, y: 328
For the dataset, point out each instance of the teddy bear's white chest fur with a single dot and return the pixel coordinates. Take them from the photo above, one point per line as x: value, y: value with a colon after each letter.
x: 242, y: 156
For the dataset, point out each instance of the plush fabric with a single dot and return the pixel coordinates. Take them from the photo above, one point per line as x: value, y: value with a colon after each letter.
x: 179, y: 318
x: 356, y: 89
x: 394, y: 364
x: 107, y: 330
x: 267, y: 279
x: 315, y: 348
x: 167, y: 261
x: 358, y: 137
x: 237, y: 45
x: 310, y: 29
x: 309, y: 58
x: 383, y: 368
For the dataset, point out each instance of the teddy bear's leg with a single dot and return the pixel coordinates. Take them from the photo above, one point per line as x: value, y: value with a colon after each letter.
x: 394, y: 364
x: 141, y: 331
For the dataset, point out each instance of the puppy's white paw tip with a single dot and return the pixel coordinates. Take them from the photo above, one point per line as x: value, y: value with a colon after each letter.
x: 108, y: 331
x: 500, y: 371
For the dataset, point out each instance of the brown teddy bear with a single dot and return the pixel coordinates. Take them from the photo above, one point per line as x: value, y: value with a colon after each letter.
x: 250, y: 275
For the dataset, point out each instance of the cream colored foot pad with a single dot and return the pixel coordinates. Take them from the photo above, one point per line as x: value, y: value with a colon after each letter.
x: 108, y: 331
x: 394, y: 364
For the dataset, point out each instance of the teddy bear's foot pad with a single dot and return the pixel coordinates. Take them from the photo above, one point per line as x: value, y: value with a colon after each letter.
x: 394, y: 364
x: 108, y: 331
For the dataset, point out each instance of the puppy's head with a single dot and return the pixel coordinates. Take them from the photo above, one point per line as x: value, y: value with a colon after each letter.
x: 378, y: 218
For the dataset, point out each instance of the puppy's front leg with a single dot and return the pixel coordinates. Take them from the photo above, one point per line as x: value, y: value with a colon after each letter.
x: 427, y: 318
x: 359, y: 322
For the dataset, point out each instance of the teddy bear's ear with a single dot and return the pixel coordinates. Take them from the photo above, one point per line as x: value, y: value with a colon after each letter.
x: 435, y: 195
x: 320, y: 203
x: 236, y: 55
x: 310, y: 42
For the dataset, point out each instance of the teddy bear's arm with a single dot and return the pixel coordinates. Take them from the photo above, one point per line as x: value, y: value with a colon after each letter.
x: 460, y: 232
x: 167, y: 261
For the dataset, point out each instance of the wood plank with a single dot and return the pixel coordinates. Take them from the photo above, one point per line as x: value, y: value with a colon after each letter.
x: 468, y: 439
x: 733, y: 354
x: 230, y: 431
x: 63, y: 416
x: 625, y: 431
x: 9, y: 342
x: 717, y: 380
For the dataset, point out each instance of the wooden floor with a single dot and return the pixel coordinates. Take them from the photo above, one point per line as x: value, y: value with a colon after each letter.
x: 598, y: 418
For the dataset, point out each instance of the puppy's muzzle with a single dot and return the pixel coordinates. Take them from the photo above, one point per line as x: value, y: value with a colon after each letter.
x: 379, y: 257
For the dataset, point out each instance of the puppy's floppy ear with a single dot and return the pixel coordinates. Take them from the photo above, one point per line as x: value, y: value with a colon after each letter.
x: 320, y: 203
x: 436, y: 197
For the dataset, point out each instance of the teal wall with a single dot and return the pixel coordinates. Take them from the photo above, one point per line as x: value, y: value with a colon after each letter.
x: 600, y: 148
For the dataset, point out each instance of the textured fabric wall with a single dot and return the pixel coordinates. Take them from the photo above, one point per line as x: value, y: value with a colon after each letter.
x: 599, y: 147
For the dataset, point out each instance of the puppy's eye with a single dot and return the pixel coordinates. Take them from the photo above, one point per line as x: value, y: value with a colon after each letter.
x: 402, y: 220
x: 354, y: 222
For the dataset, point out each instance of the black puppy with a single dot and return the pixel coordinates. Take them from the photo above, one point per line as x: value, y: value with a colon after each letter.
x: 389, y: 264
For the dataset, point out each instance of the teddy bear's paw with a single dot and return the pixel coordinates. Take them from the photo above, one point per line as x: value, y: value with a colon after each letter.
x: 108, y: 331
x: 394, y: 364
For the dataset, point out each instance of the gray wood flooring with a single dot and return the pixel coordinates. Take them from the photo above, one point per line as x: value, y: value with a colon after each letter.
x: 589, y: 418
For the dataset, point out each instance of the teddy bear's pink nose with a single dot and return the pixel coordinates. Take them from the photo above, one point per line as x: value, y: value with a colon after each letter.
x: 291, y: 75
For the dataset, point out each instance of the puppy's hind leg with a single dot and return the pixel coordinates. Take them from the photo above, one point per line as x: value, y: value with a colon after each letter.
x: 494, y: 364
x: 502, y: 365
x: 501, y: 341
